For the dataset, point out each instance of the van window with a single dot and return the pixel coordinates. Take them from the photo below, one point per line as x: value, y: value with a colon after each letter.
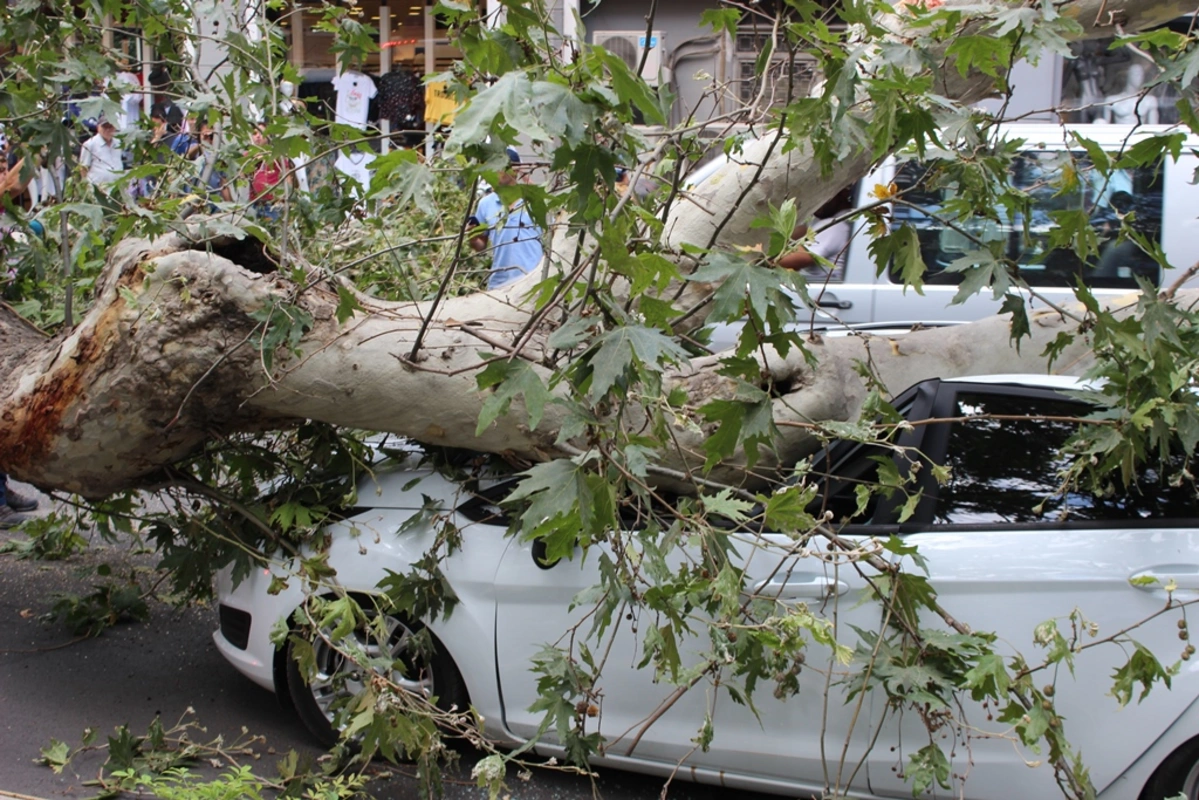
x: 944, y: 241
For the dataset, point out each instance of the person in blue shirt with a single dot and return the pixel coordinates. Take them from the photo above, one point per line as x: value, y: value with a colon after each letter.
x: 514, y: 238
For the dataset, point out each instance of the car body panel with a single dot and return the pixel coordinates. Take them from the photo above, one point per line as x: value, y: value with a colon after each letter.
x: 643, y: 716
x: 1046, y: 575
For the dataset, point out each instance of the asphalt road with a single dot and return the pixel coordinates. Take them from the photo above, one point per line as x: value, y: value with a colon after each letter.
x: 53, y: 686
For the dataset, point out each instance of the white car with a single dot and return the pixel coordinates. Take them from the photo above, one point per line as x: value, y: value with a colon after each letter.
x: 1004, y: 550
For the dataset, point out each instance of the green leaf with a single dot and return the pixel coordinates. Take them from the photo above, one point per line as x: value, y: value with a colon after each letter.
x: 1142, y: 668
x: 1096, y: 153
x: 746, y: 420
x: 56, y: 755
x: 782, y: 222
x: 725, y: 505
x: 1014, y: 304
x: 572, y: 333
x: 721, y: 20
x: 509, y: 99
x: 902, y: 250
x: 667, y: 653
x: 983, y: 52
x: 402, y: 174
x: 786, y: 510
x: 988, y: 678
x: 926, y: 766
x: 624, y: 348
x: 741, y: 280
x: 560, y: 111
x: 980, y: 269
x: 630, y: 88
x: 347, y: 304
x: 509, y: 380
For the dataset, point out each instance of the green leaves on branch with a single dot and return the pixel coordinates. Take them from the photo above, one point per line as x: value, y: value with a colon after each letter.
x: 508, y: 380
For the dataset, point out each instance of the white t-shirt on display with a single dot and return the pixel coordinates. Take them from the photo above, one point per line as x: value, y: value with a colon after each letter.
x: 354, y: 93
x: 131, y: 100
x: 355, y: 164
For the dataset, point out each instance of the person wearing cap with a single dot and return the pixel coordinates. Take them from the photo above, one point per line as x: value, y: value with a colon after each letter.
x: 514, y: 238
x: 101, y: 158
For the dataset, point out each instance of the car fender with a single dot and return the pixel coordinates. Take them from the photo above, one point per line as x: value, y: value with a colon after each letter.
x: 1130, y: 784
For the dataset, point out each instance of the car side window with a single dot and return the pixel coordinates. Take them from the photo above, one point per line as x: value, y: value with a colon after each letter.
x: 1106, y: 200
x: 1007, y: 470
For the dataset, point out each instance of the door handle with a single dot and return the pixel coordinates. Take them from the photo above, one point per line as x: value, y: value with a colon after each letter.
x: 799, y: 585
x: 828, y: 300
x: 1185, y: 576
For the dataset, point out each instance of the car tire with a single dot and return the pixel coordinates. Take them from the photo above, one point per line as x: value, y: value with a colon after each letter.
x: 1177, y: 775
x: 335, y: 679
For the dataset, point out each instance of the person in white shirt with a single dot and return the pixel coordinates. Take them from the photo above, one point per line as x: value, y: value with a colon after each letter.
x: 101, y: 157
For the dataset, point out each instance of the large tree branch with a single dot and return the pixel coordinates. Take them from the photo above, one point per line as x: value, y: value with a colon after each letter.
x: 169, y: 357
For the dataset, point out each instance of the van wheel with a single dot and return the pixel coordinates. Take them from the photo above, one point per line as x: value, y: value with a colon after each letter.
x: 336, y: 680
x: 1177, y: 775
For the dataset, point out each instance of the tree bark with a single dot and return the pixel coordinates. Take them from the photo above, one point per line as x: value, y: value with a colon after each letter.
x: 168, y: 357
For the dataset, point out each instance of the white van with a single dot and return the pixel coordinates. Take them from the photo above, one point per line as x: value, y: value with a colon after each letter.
x: 1164, y: 197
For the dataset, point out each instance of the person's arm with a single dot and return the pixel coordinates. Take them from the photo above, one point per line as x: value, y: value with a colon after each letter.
x: 488, y: 213
x: 796, y: 259
x: 86, y: 156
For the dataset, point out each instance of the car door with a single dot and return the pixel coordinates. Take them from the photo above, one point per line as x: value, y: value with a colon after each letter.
x: 534, y: 610
x: 649, y: 720
x: 817, y: 738
x: 1003, y: 558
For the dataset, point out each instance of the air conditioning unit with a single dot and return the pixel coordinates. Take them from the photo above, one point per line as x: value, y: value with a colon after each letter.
x: 629, y: 47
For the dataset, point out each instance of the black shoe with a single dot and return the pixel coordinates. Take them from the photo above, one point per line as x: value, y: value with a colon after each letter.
x: 10, y: 518
x: 20, y: 502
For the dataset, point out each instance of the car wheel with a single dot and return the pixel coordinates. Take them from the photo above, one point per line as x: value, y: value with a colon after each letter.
x: 1178, y: 775
x: 336, y: 678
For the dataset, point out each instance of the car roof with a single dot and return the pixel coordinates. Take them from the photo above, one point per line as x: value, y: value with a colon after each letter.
x: 1029, y: 380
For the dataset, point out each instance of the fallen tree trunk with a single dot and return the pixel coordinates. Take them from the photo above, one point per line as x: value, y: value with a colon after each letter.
x: 170, y: 356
